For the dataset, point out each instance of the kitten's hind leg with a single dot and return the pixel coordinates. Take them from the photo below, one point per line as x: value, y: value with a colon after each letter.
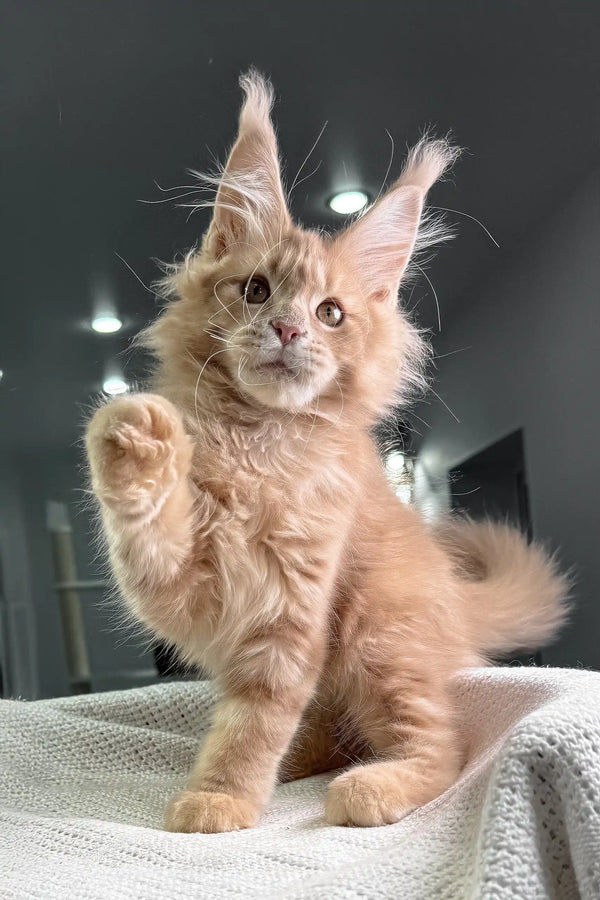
x: 417, y: 756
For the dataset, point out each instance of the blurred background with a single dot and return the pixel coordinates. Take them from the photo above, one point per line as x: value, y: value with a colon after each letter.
x: 104, y: 107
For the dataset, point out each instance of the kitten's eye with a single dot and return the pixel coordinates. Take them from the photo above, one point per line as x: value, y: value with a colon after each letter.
x: 256, y: 290
x: 330, y: 313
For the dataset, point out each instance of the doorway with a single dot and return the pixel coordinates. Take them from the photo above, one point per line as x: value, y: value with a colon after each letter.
x: 493, y: 484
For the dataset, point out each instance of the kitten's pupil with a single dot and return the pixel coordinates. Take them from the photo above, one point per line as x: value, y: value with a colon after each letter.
x: 256, y: 290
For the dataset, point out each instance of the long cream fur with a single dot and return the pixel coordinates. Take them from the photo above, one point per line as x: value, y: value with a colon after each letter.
x: 250, y: 523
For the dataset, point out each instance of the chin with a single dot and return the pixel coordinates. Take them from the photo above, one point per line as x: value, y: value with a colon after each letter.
x: 278, y: 390
x: 277, y: 394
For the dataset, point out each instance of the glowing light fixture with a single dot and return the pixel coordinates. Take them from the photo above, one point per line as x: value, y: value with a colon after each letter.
x: 395, y: 463
x: 106, y: 324
x: 347, y: 202
x: 115, y: 385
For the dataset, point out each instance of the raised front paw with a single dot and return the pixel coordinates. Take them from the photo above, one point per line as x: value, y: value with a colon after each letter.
x: 137, y: 450
x: 197, y: 811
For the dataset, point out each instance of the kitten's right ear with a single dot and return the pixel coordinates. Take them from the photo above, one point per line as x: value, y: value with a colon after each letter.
x: 379, y: 245
x: 250, y: 206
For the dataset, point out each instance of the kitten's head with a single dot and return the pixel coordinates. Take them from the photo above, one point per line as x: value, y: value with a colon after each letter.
x: 288, y: 318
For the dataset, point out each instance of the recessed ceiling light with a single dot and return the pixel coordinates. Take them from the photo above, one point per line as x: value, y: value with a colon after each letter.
x: 106, y: 324
x: 115, y: 385
x: 395, y: 463
x: 347, y: 202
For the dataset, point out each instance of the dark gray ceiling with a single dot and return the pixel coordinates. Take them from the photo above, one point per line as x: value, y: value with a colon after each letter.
x: 99, y: 99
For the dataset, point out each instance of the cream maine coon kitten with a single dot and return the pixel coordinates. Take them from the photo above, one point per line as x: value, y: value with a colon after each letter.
x: 250, y: 522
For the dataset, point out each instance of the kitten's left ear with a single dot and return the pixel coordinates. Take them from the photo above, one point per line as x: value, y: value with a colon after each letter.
x: 250, y: 205
x: 378, y: 246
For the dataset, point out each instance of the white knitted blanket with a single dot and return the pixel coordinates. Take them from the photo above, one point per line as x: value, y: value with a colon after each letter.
x: 83, y: 782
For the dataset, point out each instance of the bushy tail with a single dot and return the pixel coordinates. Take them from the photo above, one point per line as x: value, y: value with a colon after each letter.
x: 516, y: 599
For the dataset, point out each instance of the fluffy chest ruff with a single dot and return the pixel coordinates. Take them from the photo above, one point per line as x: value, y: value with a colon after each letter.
x: 269, y: 520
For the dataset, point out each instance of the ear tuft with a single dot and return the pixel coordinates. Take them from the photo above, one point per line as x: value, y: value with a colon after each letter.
x: 250, y: 206
x: 255, y: 114
x: 427, y: 162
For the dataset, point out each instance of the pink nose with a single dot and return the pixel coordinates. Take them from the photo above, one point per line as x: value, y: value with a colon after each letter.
x: 286, y: 333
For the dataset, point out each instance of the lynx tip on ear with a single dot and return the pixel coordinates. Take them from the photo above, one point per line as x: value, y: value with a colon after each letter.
x: 427, y: 161
x: 258, y: 100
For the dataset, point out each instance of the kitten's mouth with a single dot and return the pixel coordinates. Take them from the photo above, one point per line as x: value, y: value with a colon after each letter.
x: 277, y: 367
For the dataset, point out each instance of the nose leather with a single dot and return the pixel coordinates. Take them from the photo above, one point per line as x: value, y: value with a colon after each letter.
x: 286, y: 332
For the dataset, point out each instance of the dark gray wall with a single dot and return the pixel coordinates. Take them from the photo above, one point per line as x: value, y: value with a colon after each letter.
x: 533, y: 339
x: 117, y: 658
x: 100, y: 99
x: 18, y: 645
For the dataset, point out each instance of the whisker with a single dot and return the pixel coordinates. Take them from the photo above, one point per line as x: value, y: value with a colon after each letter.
x: 326, y: 417
x: 451, y: 353
x: 387, y: 171
x: 212, y: 355
x: 454, y: 416
x: 177, y: 187
x: 135, y: 274
x: 437, y: 304
x: 414, y: 415
x: 312, y: 427
x: 217, y: 337
x: 468, y: 216
x: 310, y: 174
x: 225, y: 307
x: 168, y: 199
x: 306, y: 158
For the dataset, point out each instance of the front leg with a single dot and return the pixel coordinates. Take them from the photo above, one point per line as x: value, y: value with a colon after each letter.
x: 237, y: 767
x: 140, y: 459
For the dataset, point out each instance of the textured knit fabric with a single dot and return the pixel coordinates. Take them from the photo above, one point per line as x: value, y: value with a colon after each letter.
x: 84, y: 780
